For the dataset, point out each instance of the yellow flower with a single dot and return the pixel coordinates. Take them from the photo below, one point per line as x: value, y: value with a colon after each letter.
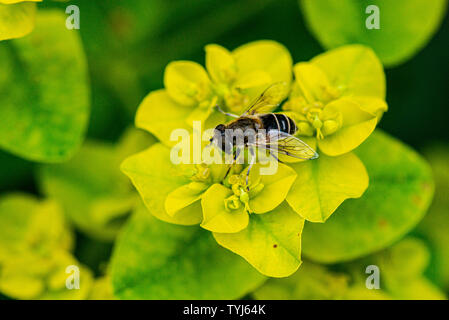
x: 232, y: 80
x: 337, y: 99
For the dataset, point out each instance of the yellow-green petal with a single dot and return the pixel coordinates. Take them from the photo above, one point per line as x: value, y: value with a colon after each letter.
x: 184, y: 196
x: 154, y: 177
x: 253, y: 79
x: 265, y: 55
x: 16, y: 20
x: 357, y: 125
x: 220, y: 64
x: 372, y: 105
x: 160, y: 115
x: 216, y: 217
x: 275, y: 189
x: 271, y: 243
x: 187, y: 82
x: 323, y: 184
x: 312, y: 83
x: 354, y: 69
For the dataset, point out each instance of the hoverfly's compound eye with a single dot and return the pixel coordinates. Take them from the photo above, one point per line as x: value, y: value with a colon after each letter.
x: 220, y: 128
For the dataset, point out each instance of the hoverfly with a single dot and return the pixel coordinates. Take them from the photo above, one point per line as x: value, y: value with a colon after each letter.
x: 274, y: 132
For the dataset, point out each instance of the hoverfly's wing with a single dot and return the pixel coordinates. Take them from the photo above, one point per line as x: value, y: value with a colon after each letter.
x: 269, y: 99
x: 284, y: 143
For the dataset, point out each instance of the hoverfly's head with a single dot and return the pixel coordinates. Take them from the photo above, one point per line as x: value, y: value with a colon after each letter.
x: 219, y: 136
x: 219, y: 133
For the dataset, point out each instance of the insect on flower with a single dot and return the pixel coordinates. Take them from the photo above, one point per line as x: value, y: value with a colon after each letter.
x: 257, y: 127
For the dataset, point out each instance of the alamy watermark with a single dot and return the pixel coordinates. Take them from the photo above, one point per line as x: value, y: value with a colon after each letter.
x: 231, y: 142
x: 73, y: 20
x: 73, y: 280
x: 373, y: 280
x: 373, y: 20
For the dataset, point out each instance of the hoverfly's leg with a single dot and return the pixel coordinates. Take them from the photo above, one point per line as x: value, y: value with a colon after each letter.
x: 276, y: 158
x: 226, y: 113
x: 251, y: 163
x: 237, y: 153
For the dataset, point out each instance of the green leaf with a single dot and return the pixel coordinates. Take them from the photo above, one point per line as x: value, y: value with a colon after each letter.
x: 95, y: 195
x: 400, y: 266
x: 311, y: 281
x: 405, y: 25
x: 323, y: 184
x: 157, y: 260
x: 397, y: 198
x: 435, y: 224
x: 271, y: 242
x: 16, y: 20
x: 43, y: 92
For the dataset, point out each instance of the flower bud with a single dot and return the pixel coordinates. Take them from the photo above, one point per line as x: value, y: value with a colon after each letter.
x: 236, y: 189
x: 330, y: 127
x: 232, y: 203
x: 234, y: 179
x: 317, y: 123
x: 305, y: 129
x: 202, y: 172
x: 244, y: 197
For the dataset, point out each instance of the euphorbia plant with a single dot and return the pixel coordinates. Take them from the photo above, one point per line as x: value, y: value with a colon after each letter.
x: 336, y: 100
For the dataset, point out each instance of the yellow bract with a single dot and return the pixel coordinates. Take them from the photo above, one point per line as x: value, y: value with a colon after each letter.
x: 232, y: 80
x: 271, y: 242
x: 338, y: 98
x: 321, y: 186
x: 16, y: 19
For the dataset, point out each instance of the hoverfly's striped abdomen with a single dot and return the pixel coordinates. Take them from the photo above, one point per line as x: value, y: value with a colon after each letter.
x: 278, y: 121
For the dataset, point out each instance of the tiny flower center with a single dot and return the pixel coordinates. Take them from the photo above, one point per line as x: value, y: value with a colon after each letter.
x: 202, y: 173
x: 235, y: 100
x: 198, y: 91
x: 232, y: 203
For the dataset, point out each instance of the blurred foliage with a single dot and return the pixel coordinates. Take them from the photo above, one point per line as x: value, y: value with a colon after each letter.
x: 90, y: 187
x: 435, y: 225
x: 47, y: 123
x: 405, y: 26
x: 397, y: 198
x: 127, y: 44
x: 158, y: 260
x: 401, y: 277
x: 35, y: 250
